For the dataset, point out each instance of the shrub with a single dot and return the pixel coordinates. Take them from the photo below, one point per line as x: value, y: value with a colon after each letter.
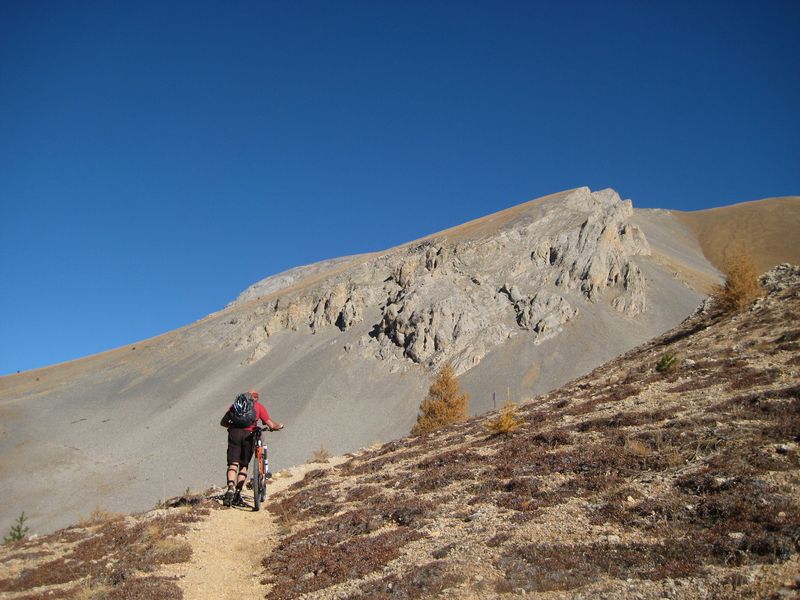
x: 741, y: 285
x: 320, y: 456
x: 506, y: 421
x: 666, y: 363
x: 100, y: 516
x: 18, y: 530
x: 444, y: 404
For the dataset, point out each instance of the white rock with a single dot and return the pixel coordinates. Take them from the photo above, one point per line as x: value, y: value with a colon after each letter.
x: 453, y: 301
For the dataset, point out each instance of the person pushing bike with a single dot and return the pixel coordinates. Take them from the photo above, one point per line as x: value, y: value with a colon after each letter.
x: 241, y: 419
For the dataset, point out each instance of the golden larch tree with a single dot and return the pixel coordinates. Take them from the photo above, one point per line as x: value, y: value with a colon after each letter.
x: 741, y: 285
x: 444, y: 404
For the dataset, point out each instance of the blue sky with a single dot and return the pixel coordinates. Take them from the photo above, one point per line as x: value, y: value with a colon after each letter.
x: 156, y: 158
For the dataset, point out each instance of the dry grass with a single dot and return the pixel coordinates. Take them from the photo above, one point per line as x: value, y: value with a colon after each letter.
x: 506, y: 422
x: 91, y: 592
x: 321, y: 456
x: 99, y: 516
x: 170, y: 551
x: 428, y: 580
x: 637, y: 448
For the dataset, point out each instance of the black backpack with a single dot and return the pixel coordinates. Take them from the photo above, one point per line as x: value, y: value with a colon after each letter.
x: 243, y: 411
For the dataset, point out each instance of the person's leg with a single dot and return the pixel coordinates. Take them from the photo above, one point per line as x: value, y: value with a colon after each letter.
x: 234, y: 461
x: 242, y: 478
x: 227, y: 500
x: 244, y: 461
x: 233, y: 469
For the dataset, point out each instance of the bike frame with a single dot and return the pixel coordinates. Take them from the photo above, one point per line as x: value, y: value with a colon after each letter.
x: 260, y: 469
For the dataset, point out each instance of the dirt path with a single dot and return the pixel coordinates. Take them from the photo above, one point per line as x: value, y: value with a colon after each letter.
x: 228, y: 546
x: 223, y: 563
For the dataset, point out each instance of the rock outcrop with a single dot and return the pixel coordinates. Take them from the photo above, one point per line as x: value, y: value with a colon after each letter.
x: 452, y: 299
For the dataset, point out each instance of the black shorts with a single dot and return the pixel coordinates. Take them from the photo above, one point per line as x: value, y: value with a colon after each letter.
x: 240, y: 446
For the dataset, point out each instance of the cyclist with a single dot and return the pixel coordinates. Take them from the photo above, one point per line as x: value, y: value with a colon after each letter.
x: 240, y: 449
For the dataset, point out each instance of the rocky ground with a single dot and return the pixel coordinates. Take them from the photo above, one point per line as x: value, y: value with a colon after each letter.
x: 671, y: 472
x: 634, y: 481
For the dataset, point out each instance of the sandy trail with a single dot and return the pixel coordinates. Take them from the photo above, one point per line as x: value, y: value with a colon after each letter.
x: 228, y: 546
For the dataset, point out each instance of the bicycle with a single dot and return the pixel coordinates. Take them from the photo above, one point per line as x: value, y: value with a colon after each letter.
x: 260, y: 469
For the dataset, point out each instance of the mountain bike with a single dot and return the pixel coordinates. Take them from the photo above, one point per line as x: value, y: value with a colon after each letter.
x: 260, y: 469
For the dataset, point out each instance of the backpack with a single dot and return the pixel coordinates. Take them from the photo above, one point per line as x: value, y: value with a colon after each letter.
x: 243, y: 411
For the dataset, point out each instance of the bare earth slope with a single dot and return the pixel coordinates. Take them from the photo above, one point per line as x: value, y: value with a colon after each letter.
x: 519, y: 302
x: 629, y: 482
x: 768, y: 230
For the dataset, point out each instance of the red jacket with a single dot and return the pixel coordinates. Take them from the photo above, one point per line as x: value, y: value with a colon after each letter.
x: 261, y: 413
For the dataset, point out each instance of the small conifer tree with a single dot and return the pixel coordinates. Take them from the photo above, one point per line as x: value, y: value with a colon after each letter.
x: 666, y: 363
x: 444, y: 404
x: 741, y: 285
x: 18, y: 530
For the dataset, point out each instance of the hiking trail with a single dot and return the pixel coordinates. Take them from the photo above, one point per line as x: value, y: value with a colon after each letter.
x: 229, y: 545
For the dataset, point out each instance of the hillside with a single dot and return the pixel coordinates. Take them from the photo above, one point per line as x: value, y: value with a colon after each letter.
x: 342, y: 352
x: 520, y: 302
x: 627, y: 482
x: 766, y: 229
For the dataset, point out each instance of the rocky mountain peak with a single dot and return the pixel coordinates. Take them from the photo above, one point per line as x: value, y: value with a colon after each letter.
x: 451, y: 298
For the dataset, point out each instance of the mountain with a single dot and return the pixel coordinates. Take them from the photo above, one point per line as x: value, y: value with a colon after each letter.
x: 668, y: 472
x: 765, y: 229
x: 519, y: 302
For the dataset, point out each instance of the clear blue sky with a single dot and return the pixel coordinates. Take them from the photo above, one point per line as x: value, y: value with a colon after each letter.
x: 156, y: 158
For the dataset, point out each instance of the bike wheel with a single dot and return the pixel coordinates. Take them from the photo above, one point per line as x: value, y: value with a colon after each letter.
x: 257, y: 481
x: 266, y: 473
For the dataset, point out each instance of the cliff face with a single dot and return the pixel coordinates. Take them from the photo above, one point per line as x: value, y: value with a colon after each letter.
x: 453, y: 300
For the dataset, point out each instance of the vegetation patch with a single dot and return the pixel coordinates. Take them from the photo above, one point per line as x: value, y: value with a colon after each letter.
x: 426, y: 580
x: 361, y: 492
x: 308, y: 502
x: 628, y: 419
x: 667, y: 363
x: 150, y: 588
x: 505, y: 423
x: 300, y: 566
x: 311, y: 477
x: 526, y: 495
x: 114, y: 555
x: 553, y: 437
x: 550, y: 567
x: 389, y: 456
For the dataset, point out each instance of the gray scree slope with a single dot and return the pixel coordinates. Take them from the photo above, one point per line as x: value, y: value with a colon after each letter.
x: 519, y: 302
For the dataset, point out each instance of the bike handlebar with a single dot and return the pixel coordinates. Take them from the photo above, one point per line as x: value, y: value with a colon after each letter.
x: 266, y: 428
